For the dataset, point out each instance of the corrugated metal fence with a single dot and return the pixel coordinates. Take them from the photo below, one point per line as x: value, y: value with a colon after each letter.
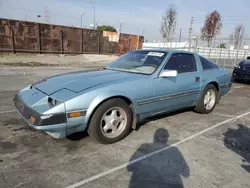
x: 31, y: 37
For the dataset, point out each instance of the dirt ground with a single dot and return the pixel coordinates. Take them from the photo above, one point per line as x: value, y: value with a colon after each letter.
x: 83, y: 60
x: 182, y: 149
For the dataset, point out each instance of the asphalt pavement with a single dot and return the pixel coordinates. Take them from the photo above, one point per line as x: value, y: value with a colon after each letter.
x: 181, y: 149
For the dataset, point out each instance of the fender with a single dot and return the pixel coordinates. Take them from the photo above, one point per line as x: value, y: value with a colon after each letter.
x: 108, y: 95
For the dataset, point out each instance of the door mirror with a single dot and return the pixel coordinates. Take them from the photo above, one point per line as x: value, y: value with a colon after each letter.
x: 168, y: 73
x: 248, y: 57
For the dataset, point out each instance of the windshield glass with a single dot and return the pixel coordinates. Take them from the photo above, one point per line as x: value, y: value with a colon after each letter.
x: 144, y: 62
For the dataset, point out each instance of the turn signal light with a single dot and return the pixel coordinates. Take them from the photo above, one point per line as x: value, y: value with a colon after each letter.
x: 32, y: 119
x: 74, y: 114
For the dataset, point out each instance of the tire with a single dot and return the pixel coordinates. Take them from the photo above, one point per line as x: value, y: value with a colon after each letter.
x: 99, y: 128
x: 238, y: 80
x: 201, y: 106
x: 235, y: 79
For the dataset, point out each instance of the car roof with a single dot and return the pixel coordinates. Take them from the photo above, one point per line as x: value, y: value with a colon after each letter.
x: 166, y: 50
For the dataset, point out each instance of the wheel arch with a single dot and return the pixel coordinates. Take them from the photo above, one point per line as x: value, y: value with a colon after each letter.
x: 119, y: 96
x: 216, y: 85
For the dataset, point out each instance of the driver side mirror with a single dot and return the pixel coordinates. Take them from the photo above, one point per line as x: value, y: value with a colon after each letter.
x: 168, y: 73
x: 248, y: 57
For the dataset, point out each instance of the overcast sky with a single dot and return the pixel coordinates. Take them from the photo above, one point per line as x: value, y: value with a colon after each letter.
x: 136, y: 16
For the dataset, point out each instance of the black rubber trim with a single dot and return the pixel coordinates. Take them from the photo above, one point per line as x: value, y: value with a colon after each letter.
x: 27, y: 112
x: 54, y: 119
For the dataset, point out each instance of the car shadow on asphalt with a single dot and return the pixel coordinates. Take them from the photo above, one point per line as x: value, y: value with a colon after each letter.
x: 238, y: 140
x: 78, y: 136
x: 164, y: 169
x: 161, y: 116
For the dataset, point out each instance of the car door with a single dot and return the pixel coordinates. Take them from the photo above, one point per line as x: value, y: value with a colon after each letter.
x: 173, y: 93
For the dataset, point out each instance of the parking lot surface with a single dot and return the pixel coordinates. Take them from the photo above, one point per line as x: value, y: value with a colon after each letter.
x: 182, y: 149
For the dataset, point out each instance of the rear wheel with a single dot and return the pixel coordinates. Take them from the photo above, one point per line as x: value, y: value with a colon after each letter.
x: 208, y: 100
x: 111, y: 122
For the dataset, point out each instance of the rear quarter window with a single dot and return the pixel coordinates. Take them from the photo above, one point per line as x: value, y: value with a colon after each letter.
x: 207, y: 65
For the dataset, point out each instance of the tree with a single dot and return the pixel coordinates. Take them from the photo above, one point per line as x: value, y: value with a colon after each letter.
x: 106, y: 28
x: 237, y: 36
x: 222, y: 45
x: 168, y: 24
x: 212, y: 27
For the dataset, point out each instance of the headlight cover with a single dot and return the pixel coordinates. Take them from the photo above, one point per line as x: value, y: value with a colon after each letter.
x: 238, y: 66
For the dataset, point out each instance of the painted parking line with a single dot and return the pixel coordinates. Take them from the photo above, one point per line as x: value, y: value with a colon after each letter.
x: 97, y: 176
x: 237, y: 87
x: 31, y: 77
x: 8, y: 111
x: 224, y: 115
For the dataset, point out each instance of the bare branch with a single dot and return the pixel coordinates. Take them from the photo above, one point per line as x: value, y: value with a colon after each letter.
x: 237, y: 36
x: 168, y: 24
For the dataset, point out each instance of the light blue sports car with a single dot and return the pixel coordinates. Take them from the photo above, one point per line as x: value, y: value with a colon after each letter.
x: 109, y: 102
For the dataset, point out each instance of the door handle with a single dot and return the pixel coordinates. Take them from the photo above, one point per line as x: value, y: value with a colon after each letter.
x: 197, y: 79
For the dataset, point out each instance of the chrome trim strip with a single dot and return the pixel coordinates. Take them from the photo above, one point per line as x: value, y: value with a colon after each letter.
x: 166, y: 97
x: 145, y: 101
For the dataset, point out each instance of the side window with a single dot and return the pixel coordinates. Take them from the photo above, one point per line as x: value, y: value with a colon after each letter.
x: 182, y: 63
x: 206, y: 65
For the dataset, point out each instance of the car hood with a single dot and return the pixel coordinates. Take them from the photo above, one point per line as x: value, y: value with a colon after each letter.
x: 82, y: 80
x: 246, y: 62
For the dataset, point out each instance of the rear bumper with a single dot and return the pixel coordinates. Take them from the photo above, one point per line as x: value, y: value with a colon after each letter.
x: 55, y: 125
x: 225, y: 88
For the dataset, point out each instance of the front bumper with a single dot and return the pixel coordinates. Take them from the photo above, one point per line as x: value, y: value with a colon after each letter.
x: 240, y: 74
x: 55, y: 124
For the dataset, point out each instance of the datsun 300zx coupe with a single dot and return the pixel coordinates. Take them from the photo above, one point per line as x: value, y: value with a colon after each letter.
x: 109, y: 102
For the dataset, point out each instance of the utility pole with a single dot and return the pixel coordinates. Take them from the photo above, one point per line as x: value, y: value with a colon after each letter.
x: 46, y: 15
x: 143, y: 31
x: 180, y: 35
x: 26, y: 16
x: 120, y: 27
x: 94, y: 13
x: 81, y: 18
x: 190, y: 33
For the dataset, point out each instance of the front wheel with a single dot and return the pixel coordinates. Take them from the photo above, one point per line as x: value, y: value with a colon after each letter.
x: 111, y: 122
x: 208, y: 100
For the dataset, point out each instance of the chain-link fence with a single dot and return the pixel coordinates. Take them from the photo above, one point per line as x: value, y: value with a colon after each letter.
x: 221, y: 51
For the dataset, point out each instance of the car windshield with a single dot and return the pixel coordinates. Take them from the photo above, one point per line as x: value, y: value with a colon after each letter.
x: 143, y: 62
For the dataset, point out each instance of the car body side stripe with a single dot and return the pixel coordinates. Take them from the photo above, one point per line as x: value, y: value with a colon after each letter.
x: 166, y: 97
